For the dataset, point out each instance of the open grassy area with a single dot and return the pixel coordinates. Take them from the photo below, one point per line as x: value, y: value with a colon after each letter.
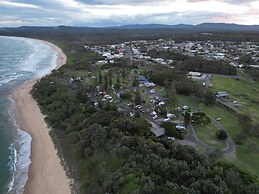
x: 246, y: 93
x: 246, y: 159
x: 228, y: 119
x: 207, y: 134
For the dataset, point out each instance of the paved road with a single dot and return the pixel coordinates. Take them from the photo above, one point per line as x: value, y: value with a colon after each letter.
x: 193, y: 138
x: 207, y: 81
x: 231, y: 148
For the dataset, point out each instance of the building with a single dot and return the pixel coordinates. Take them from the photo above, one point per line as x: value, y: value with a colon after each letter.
x: 221, y: 94
x: 196, y: 76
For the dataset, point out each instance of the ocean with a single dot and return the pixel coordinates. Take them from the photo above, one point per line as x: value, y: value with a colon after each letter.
x: 21, y: 60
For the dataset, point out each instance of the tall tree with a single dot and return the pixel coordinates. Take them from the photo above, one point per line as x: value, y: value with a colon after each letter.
x: 135, y: 81
x: 187, y: 118
x: 123, y: 74
x: 100, y: 77
x: 110, y: 78
x: 118, y: 83
x: 138, y: 99
x: 106, y: 83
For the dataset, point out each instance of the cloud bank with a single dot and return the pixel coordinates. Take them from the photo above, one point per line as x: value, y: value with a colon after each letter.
x: 100, y: 13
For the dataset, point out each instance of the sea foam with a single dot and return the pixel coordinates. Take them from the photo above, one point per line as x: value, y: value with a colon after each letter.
x: 19, y: 158
x: 35, y: 60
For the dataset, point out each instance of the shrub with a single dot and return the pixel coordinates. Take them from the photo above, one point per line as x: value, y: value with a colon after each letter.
x: 222, y: 134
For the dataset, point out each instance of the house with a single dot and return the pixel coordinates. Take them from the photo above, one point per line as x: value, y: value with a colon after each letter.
x: 161, y: 103
x: 196, y: 76
x: 159, y: 60
x: 156, y: 130
x: 102, y: 62
x: 152, y: 91
x: 118, y: 56
x: 221, y: 94
x: 110, y: 57
x: 170, y: 115
x: 106, y: 54
x: 135, y: 51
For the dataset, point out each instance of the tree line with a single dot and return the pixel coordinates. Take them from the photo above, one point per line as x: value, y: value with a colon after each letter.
x: 194, y: 63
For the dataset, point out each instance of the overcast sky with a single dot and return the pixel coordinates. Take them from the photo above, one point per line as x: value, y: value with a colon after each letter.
x: 120, y: 12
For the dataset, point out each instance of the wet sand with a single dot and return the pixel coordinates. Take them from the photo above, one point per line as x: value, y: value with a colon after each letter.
x: 46, y: 175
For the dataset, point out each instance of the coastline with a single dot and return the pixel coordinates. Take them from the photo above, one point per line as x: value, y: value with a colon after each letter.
x: 46, y: 174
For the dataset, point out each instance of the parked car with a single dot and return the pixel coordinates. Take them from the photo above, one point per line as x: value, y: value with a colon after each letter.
x: 155, y: 117
x: 172, y: 138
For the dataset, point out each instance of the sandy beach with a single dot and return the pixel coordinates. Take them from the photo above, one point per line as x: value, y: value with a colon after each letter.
x: 46, y: 174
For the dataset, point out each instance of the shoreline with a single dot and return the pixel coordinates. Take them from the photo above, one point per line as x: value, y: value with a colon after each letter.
x: 46, y: 175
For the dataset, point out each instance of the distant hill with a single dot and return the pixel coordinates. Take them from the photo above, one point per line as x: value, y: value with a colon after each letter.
x: 116, y: 34
x: 226, y: 27
x: 199, y: 27
x: 153, y: 26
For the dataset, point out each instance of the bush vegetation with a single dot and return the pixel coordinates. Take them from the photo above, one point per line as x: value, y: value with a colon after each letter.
x: 107, y: 151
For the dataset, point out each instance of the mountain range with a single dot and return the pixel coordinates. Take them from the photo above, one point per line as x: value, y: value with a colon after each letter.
x: 203, y: 26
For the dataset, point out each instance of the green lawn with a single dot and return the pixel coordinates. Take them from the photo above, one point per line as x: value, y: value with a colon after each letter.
x: 246, y: 93
x: 207, y: 134
x: 246, y: 159
x: 228, y: 119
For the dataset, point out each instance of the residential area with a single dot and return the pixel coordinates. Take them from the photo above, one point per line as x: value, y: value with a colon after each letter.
x: 185, y: 119
x: 237, y: 55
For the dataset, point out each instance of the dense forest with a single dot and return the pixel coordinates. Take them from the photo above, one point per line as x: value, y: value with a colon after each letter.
x: 175, y: 81
x: 109, y: 151
x: 113, y: 35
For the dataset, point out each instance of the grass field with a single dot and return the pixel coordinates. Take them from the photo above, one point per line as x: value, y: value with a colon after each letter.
x: 246, y: 93
x: 207, y: 134
x: 228, y: 119
x: 246, y: 159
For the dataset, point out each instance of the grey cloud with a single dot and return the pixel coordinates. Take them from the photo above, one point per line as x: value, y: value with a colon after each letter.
x: 226, y: 1
x: 54, y: 12
x: 125, y: 2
